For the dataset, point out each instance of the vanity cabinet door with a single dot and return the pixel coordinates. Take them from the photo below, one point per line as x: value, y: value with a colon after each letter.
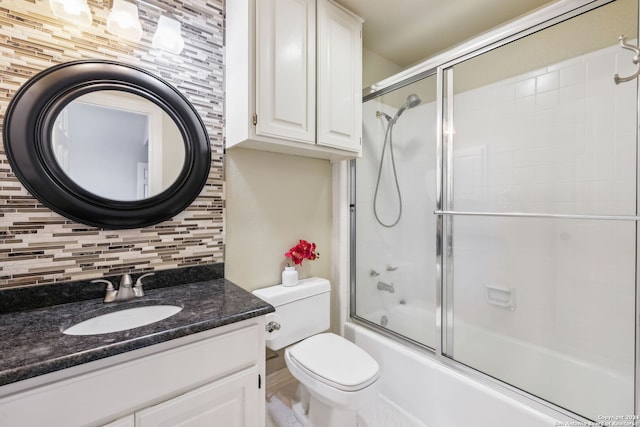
x: 339, y: 77
x: 230, y: 402
x: 285, y: 69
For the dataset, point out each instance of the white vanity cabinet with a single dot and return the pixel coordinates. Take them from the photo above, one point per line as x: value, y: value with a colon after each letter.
x: 230, y: 402
x: 213, y: 378
x: 294, y: 77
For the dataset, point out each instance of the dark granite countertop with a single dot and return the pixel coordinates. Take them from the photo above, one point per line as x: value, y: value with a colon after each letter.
x: 32, y: 342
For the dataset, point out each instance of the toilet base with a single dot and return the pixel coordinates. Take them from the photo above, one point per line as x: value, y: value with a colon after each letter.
x: 311, y: 412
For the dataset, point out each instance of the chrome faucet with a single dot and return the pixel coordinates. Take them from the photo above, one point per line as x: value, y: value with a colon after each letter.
x: 125, y: 292
x: 386, y: 287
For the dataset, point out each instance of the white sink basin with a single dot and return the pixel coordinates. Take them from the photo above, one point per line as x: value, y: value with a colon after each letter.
x: 123, y: 319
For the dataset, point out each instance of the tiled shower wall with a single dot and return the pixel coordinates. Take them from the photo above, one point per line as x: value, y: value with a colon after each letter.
x: 39, y: 246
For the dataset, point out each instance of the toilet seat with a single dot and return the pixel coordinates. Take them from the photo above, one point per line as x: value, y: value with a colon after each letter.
x: 335, y: 361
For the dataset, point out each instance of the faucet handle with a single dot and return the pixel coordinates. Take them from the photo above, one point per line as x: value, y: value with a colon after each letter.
x: 110, y: 292
x: 137, y: 289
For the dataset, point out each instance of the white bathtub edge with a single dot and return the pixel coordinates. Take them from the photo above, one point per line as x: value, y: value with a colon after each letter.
x: 439, y: 395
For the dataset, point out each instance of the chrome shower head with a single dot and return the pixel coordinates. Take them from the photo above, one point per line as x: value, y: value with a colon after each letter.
x: 413, y: 100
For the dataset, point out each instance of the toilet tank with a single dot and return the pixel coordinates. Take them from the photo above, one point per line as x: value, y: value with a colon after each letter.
x: 301, y: 310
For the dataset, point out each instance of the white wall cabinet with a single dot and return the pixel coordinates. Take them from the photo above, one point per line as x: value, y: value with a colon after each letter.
x: 285, y: 60
x: 214, y: 378
x: 339, y: 117
x: 294, y: 77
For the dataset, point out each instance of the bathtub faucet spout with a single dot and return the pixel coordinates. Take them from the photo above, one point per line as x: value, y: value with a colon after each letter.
x: 386, y: 287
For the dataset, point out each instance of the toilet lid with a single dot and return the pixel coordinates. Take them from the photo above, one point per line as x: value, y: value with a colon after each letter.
x: 335, y: 361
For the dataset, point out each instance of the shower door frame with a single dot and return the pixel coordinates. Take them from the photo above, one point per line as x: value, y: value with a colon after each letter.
x: 442, y: 66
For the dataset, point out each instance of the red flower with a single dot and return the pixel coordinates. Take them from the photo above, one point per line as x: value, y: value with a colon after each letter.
x: 303, y: 250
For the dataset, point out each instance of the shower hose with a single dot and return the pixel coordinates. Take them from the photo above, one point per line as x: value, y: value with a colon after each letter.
x: 388, y: 140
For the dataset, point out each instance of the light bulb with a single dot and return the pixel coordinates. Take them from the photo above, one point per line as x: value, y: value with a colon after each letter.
x: 123, y: 21
x: 168, y: 36
x: 75, y: 11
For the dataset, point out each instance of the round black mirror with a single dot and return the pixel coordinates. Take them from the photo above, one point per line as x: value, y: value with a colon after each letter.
x: 107, y: 144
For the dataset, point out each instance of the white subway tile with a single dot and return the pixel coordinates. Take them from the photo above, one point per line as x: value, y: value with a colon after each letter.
x: 572, y: 93
x: 625, y: 191
x: 545, y: 118
x: 601, y: 66
x: 547, y: 100
x: 526, y: 88
x: 573, y: 74
x: 526, y: 104
x: 505, y: 92
x: 547, y: 82
x: 544, y: 174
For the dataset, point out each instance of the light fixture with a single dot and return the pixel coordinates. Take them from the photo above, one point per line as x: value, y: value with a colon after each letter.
x: 76, y: 11
x: 168, y: 35
x: 123, y: 21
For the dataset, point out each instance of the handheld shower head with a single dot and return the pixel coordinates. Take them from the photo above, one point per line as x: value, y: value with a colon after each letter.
x: 413, y: 100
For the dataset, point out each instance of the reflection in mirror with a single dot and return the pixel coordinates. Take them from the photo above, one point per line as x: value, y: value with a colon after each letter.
x: 118, y: 145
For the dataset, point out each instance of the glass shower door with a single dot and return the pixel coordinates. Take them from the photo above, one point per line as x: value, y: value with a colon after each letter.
x: 540, y: 213
x: 395, y: 262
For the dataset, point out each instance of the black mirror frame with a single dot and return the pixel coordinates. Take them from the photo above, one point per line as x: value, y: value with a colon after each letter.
x: 29, y: 121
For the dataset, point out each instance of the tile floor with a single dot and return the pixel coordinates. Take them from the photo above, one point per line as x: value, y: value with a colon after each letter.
x: 281, y: 387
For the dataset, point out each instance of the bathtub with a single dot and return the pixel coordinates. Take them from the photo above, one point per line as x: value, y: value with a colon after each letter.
x: 439, y: 396
x: 562, y: 379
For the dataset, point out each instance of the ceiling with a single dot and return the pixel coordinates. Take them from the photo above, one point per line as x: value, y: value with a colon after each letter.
x: 407, y: 31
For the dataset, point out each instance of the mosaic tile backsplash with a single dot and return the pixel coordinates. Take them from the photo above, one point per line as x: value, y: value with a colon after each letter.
x: 39, y: 246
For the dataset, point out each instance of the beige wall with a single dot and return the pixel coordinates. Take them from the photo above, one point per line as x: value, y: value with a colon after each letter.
x: 376, y: 68
x: 272, y: 201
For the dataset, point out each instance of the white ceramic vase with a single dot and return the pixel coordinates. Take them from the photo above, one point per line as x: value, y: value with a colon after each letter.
x: 289, y: 276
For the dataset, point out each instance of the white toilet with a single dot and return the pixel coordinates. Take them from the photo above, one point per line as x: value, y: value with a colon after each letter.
x: 336, y: 376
